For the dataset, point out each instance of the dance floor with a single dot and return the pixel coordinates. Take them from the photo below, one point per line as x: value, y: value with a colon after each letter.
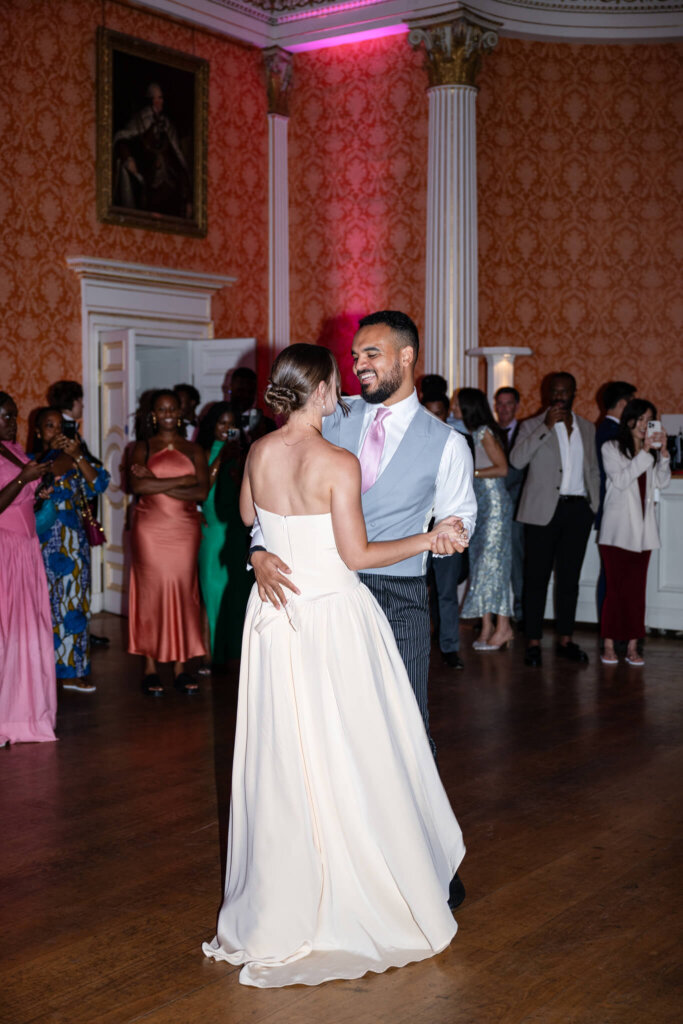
x: 566, y: 781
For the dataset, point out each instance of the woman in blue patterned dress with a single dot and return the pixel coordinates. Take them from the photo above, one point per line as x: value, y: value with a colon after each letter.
x: 491, y: 545
x: 65, y: 547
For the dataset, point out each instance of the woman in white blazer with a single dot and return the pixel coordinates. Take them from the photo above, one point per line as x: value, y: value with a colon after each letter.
x: 628, y: 532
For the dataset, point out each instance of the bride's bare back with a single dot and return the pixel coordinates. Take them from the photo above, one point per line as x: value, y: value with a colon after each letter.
x: 295, y: 478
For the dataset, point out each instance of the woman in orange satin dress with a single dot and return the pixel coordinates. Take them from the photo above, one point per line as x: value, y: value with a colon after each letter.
x: 169, y: 475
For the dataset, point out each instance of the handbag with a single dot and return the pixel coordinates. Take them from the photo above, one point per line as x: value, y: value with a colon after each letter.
x: 93, y: 530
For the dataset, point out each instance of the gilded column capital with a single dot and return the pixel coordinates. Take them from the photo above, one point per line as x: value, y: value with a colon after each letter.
x: 278, y: 67
x: 453, y: 49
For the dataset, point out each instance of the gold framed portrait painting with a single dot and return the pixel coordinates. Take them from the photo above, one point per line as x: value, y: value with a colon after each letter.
x: 152, y: 114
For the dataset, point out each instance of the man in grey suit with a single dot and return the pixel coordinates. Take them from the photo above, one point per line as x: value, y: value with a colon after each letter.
x: 558, y: 503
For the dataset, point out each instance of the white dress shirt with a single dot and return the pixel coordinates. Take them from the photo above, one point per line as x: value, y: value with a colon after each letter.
x: 571, y: 453
x: 454, y: 494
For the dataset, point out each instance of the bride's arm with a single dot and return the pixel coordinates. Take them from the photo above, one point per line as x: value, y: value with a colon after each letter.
x: 349, y: 525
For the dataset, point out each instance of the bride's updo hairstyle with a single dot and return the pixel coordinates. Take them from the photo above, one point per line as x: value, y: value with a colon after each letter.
x: 295, y: 375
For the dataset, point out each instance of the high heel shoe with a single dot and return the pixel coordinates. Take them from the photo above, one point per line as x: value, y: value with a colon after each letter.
x: 493, y: 647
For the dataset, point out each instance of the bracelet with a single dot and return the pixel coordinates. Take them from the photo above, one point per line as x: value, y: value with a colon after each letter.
x: 80, y: 458
x: 19, y: 481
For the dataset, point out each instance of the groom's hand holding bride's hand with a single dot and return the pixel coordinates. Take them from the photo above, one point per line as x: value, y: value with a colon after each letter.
x: 448, y: 536
x: 270, y: 579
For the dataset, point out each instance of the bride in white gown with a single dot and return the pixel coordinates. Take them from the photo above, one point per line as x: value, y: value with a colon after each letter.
x: 342, y: 842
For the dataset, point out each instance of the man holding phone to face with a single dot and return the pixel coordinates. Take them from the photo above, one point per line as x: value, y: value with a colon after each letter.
x: 557, y: 505
x: 67, y: 396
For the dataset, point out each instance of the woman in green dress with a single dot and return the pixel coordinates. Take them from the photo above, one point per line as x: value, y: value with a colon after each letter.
x: 223, y: 576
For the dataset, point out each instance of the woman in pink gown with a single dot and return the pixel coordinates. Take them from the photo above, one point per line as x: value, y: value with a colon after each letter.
x: 28, y: 685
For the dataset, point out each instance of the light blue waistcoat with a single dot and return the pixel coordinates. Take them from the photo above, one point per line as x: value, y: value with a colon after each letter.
x: 400, y: 501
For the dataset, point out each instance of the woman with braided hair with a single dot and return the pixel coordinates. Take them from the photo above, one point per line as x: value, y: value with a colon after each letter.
x: 170, y: 475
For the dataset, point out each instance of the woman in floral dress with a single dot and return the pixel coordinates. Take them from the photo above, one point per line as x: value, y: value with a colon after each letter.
x: 65, y: 547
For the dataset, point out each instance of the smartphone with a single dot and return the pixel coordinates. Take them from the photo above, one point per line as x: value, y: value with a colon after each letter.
x: 69, y: 428
x: 654, y: 427
x: 233, y: 434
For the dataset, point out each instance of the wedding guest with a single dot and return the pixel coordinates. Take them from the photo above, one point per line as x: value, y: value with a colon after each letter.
x: 506, y: 406
x: 65, y: 547
x: 242, y: 393
x: 169, y: 475
x: 558, y: 502
x: 634, y: 466
x: 443, y: 574
x: 189, y: 399
x: 224, y: 580
x: 488, y: 593
x: 615, y: 395
x: 67, y: 396
x: 28, y: 689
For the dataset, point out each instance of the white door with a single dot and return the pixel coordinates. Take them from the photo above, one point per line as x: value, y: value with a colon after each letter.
x: 213, y: 359
x: 117, y: 402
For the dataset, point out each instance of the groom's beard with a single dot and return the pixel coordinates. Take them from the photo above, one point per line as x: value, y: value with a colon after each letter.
x: 385, y: 387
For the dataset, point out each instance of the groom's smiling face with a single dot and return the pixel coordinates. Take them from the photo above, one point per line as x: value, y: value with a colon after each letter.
x: 377, y: 363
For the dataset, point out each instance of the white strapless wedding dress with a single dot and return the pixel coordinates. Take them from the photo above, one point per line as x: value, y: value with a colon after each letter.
x: 342, y: 842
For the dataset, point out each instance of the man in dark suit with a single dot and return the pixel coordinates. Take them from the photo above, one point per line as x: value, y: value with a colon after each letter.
x: 506, y: 404
x: 615, y: 395
x: 558, y: 503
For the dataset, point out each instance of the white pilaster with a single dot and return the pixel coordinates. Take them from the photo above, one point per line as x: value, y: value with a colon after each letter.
x: 278, y: 234
x: 451, y: 314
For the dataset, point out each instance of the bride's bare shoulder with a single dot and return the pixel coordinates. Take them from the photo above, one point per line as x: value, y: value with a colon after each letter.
x: 342, y: 459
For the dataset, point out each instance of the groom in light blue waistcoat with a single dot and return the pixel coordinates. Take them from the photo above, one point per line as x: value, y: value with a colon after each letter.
x: 424, y: 471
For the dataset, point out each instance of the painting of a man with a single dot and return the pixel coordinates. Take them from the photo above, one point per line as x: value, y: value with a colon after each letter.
x: 150, y: 170
x: 152, y: 135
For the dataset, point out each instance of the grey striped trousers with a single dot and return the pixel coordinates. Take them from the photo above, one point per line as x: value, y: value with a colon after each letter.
x: 404, y: 601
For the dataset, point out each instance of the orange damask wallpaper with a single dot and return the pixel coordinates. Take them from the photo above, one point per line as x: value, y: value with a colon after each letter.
x: 358, y: 187
x: 579, y: 190
x: 47, y: 202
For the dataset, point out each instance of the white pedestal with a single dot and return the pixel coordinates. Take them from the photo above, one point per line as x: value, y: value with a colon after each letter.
x: 500, y: 363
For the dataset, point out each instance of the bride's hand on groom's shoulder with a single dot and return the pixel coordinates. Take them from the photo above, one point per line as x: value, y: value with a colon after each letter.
x: 448, y: 536
x: 270, y: 571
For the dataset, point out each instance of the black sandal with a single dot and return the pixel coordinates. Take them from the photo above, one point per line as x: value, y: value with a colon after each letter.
x: 151, y: 685
x: 186, y: 684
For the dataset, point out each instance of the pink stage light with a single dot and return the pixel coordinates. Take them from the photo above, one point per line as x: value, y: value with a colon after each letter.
x: 352, y: 37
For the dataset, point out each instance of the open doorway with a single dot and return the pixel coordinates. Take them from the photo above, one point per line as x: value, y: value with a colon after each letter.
x: 131, y: 362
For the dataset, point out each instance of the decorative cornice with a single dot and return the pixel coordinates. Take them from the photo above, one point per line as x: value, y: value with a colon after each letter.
x: 94, y: 269
x: 278, y: 67
x: 453, y: 49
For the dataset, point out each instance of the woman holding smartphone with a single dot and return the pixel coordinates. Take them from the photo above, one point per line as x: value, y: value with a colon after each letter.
x: 635, y: 463
x: 65, y: 546
x: 223, y: 577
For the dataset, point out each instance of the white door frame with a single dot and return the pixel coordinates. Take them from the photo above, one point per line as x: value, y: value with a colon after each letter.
x: 151, y: 300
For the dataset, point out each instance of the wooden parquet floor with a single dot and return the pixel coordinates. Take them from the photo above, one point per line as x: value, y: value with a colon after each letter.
x: 567, y: 784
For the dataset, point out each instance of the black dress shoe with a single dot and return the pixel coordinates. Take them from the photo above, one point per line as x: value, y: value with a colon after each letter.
x: 99, y: 641
x: 452, y: 659
x: 572, y: 652
x: 532, y: 656
x: 456, y: 892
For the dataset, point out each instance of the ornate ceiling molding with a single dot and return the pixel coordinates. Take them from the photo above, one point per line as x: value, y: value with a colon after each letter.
x: 308, y: 24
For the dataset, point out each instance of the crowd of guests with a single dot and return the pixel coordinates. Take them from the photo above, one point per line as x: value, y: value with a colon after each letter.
x: 541, y: 484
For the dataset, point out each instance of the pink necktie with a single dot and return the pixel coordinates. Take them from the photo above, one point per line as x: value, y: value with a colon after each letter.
x: 371, y: 452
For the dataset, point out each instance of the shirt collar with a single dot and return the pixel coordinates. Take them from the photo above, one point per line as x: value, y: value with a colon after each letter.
x: 614, y: 419
x: 403, y: 410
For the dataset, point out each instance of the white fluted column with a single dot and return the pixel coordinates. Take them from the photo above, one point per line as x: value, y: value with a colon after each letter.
x: 453, y: 53
x: 278, y: 65
x: 278, y: 234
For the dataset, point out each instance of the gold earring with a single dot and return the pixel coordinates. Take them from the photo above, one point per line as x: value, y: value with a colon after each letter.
x: 154, y: 419
x: 180, y: 421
